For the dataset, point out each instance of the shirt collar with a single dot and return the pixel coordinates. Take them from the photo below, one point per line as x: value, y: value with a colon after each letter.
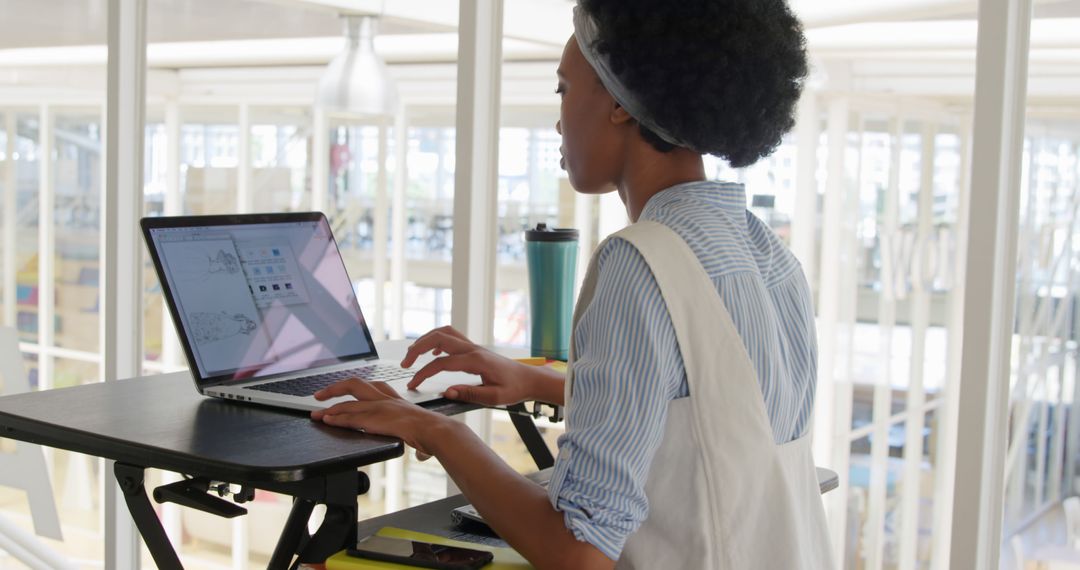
x: 731, y: 196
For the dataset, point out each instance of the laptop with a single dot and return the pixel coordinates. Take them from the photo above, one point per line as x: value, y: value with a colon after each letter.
x: 266, y: 312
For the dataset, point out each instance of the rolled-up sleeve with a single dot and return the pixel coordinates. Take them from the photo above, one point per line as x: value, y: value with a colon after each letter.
x: 627, y: 369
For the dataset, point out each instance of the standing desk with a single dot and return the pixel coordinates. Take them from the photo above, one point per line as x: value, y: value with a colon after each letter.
x: 162, y: 422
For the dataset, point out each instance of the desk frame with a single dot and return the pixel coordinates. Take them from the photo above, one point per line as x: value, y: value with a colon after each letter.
x: 337, y: 491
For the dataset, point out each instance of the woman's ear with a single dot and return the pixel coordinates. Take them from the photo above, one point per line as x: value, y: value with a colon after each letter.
x: 619, y: 115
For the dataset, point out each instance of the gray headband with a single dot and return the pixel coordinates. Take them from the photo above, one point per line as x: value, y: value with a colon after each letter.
x: 586, y: 32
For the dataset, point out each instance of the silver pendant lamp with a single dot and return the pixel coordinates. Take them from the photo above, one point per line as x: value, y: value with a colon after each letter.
x: 357, y: 81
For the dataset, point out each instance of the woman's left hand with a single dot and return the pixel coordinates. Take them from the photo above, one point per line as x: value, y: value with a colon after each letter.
x: 378, y: 409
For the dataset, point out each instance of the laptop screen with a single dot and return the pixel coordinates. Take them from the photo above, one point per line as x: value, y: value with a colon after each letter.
x: 257, y: 299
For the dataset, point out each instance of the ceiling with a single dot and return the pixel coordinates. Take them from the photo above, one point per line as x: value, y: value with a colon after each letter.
x: 893, y: 42
x: 48, y: 23
x: 51, y: 23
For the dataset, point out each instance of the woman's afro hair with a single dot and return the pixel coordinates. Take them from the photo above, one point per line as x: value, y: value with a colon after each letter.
x: 722, y: 75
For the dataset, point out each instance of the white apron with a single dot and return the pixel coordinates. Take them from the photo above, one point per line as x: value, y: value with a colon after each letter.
x: 722, y: 494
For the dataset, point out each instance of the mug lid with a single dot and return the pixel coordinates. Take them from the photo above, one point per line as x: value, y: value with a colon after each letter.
x: 544, y: 233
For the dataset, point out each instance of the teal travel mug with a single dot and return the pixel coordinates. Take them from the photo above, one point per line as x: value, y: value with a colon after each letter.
x: 551, y: 255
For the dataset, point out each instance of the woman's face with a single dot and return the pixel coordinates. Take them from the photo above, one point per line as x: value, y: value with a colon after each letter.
x: 592, y: 142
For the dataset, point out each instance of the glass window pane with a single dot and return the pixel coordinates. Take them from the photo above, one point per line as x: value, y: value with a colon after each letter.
x: 77, y: 181
x: 425, y: 308
x: 155, y: 163
x: 1043, y: 438
x: 353, y: 179
x: 874, y: 210
x: 857, y: 503
x: 73, y: 372
x: 912, y: 459
x: 161, y: 194
x: 209, y: 141
x: 52, y: 179
x: 6, y: 183
x: 429, y: 197
x: 533, y: 189
x: 908, y: 259
x: 876, y: 336
x: 900, y: 338
x: 279, y: 159
x: 155, y: 317
x: 155, y: 190
x: 429, y: 229
x: 27, y: 180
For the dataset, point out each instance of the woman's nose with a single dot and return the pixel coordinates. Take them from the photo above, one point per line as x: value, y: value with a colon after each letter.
x: 558, y: 126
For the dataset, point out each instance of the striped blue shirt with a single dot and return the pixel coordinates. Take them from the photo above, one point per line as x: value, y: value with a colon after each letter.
x: 628, y: 366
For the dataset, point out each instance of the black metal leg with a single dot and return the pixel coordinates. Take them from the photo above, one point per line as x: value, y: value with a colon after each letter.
x: 295, y: 527
x: 338, y: 529
x: 530, y: 435
x: 130, y: 479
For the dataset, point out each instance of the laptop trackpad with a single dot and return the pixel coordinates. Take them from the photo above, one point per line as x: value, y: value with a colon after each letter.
x: 433, y: 387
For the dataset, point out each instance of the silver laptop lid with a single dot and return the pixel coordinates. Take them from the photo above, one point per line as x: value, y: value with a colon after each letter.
x: 257, y: 295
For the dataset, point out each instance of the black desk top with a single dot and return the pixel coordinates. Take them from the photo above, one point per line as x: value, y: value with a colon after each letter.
x: 161, y: 421
x: 434, y: 517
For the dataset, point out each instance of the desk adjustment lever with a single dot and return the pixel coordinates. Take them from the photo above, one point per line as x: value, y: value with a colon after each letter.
x: 538, y: 410
x: 194, y: 493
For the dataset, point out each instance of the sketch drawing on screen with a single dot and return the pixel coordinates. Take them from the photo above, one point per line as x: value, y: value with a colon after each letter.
x: 223, y: 262
x: 220, y: 311
x: 212, y: 327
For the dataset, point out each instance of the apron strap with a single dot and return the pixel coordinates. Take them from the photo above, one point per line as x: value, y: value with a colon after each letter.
x: 714, y: 355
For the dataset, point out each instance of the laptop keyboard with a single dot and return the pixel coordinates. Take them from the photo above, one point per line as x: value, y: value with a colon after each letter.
x: 308, y: 385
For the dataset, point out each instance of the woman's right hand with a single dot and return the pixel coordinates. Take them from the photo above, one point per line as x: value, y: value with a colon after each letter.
x: 505, y: 381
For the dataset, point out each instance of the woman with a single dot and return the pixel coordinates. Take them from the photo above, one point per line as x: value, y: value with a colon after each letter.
x: 693, y: 356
